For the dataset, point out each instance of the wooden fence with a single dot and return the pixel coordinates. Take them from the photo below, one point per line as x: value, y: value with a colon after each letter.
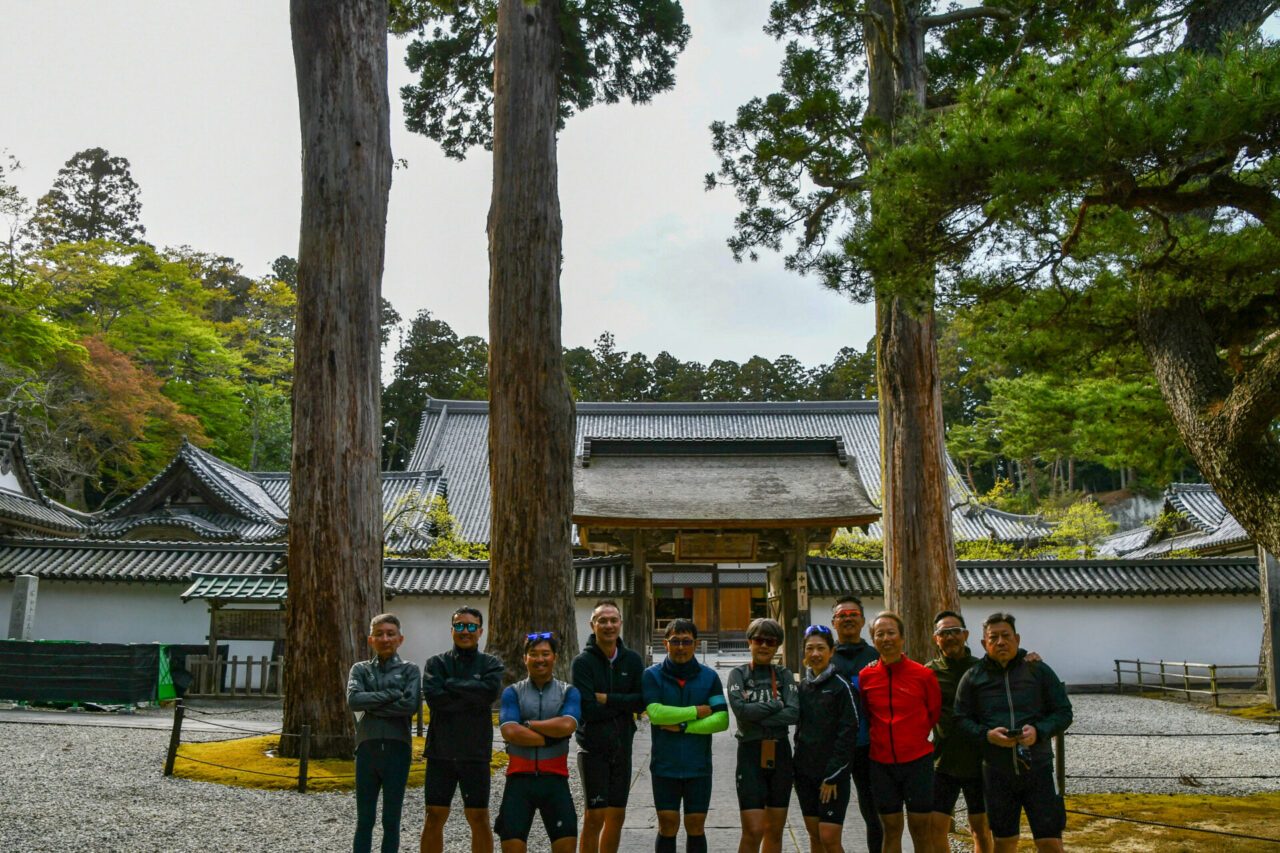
x: 1189, y: 679
x: 235, y: 678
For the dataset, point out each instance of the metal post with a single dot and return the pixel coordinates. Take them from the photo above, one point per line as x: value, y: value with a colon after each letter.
x: 1119, y: 683
x: 1060, y: 761
x: 303, y: 754
x: 1213, y: 683
x: 175, y: 737
x: 420, y: 715
x: 1186, y: 681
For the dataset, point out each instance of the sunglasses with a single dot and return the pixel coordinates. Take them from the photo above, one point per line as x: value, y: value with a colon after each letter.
x: 847, y: 614
x: 771, y: 642
x: 817, y: 629
x: 680, y: 641
x: 949, y: 632
x: 538, y: 635
x: 466, y: 627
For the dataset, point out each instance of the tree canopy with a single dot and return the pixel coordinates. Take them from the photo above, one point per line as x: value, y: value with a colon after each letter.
x: 94, y: 197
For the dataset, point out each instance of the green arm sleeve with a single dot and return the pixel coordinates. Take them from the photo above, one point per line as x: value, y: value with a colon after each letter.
x: 717, y: 722
x: 670, y: 715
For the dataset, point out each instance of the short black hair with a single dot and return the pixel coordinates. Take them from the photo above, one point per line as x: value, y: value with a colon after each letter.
x: 385, y: 617
x: 681, y: 626
x: 999, y: 617
x: 532, y: 642
x: 945, y: 613
x: 822, y: 632
x: 889, y: 614
x: 846, y: 599
x: 763, y: 627
x: 605, y: 602
x: 470, y: 611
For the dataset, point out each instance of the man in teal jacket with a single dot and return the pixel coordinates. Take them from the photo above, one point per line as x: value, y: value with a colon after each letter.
x: 686, y: 705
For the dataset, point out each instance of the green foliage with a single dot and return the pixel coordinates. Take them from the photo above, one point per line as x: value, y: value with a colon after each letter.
x: 1080, y: 529
x: 611, y: 50
x: 853, y: 545
x: 412, y: 514
x: 94, y: 197
x: 1166, y: 523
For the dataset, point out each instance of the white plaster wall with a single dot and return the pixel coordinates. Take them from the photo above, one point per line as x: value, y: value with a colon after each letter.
x: 425, y: 621
x: 1080, y: 638
x: 122, y: 612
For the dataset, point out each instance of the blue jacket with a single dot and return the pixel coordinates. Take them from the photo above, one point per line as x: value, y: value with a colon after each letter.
x: 683, y: 755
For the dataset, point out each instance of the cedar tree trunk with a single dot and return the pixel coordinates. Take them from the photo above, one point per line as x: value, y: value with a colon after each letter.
x: 335, y: 517
x: 531, y: 418
x: 919, y: 558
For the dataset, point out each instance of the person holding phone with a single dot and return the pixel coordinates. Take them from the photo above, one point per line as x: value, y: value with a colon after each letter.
x: 764, y: 702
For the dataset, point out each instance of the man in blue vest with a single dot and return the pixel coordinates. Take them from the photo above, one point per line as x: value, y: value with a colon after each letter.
x: 537, y: 718
x: 686, y: 705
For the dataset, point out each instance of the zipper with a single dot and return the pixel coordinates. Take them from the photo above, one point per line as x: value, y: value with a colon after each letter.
x: 893, y: 750
x: 1008, y: 695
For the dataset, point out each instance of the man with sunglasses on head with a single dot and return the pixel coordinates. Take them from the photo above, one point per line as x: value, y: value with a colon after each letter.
x: 764, y: 702
x: 537, y: 718
x: 460, y: 686
x: 607, y: 675
x: 957, y: 761
x: 851, y: 655
x: 685, y: 703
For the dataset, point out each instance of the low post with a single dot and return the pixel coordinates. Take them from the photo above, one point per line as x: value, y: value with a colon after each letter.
x: 1162, y: 677
x: 1119, y: 683
x: 174, y: 738
x: 420, y: 715
x: 303, y: 754
x: 1060, y: 761
x: 1213, y: 683
x: 1186, y: 681
x: 1138, y: 666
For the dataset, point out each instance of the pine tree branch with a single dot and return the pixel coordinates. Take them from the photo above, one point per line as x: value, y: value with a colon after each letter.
x: 991, y: 13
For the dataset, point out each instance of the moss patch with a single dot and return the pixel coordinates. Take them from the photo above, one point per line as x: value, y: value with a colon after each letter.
x: 253, y: 763
x: 1257, y: 815
x: 1263, y: 712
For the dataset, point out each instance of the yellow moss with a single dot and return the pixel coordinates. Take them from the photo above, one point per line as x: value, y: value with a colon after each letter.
x: 253, y: 763
x: 1263, y: 711
x: 1257, y: 815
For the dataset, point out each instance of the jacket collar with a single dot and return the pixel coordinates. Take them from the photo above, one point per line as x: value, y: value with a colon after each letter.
x: 956, y: 663
x: 593, y: 646
x: 994, y: 665
x: 819, y: 679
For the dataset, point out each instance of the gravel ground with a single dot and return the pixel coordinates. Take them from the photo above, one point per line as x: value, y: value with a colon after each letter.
x: 90, y: 788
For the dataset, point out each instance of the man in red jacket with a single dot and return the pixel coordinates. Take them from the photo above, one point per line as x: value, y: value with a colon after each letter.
x: 903, y: 703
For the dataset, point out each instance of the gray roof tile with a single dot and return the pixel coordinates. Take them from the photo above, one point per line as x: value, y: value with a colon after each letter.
x: 985, y: 578
x: 63, y: 559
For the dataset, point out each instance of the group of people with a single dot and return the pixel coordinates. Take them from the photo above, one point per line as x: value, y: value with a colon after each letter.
x: 863, y: 718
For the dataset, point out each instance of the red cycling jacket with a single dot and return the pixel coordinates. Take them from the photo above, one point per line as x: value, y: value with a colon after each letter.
x: 903, y: 703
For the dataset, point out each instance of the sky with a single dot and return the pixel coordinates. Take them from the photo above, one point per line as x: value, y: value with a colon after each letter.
x: 200, y: 97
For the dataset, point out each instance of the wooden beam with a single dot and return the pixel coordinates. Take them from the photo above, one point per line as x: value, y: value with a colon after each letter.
x: 639, y: 617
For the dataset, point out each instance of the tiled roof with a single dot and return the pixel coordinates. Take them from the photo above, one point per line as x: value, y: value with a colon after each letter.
x: 213, y: 526
x: 454, y: 437
x: 596, y: 576
x: 1207, y: 527
x: 238, y: 490
x: 238, y: 587
x: 1200, y: 576
x: 80, y: 559
x: 23, y: 504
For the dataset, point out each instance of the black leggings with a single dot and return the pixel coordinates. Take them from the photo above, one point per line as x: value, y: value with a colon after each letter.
x: 867, y: 806
x: 381, y: 765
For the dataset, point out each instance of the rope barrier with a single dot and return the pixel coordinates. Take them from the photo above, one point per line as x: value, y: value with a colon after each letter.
x: 1184, y: 776
x: 1175, y: 826
x: 191, y: 710
x: 241, y: 769
x: 238, y: 729
x: 1171, y: 734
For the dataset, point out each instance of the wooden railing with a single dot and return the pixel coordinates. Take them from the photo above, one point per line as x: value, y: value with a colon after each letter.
x: 1186, y: 678
x: 235, y: 678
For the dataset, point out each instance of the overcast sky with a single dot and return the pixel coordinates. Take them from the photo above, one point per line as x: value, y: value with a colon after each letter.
x: 200, y: 98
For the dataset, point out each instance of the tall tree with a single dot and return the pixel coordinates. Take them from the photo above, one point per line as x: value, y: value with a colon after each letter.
x: 857, y: 80
x: 549, y: 59
x: 94, y: 197
x: 335, y: 519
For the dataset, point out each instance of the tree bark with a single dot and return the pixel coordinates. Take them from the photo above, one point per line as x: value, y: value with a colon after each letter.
x: 335, y: 518
x: 531, y: 415
x: 919, y: 556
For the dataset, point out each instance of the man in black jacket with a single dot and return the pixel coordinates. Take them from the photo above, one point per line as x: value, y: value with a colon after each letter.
x: 852, y: 654
x: 607, y: 674
x: 460, y: 687
x: 1013, y: 707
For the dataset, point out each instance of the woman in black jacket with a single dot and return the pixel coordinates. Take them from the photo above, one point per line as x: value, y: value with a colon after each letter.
x: 825, y: 737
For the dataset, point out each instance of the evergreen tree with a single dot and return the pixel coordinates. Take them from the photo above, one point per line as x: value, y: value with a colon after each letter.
x: 94, y: 197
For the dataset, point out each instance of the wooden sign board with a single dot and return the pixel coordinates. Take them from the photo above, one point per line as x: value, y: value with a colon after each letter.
x: 715, y: 547
x: 248, y: 624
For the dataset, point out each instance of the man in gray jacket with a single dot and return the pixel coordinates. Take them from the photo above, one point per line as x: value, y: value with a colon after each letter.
x: 386, y: 691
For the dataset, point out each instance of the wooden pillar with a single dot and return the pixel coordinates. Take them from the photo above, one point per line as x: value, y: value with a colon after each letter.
x: 640, y: 618
x: 800, y: 554
x: 715, y: 601
x: 1269, y: 571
